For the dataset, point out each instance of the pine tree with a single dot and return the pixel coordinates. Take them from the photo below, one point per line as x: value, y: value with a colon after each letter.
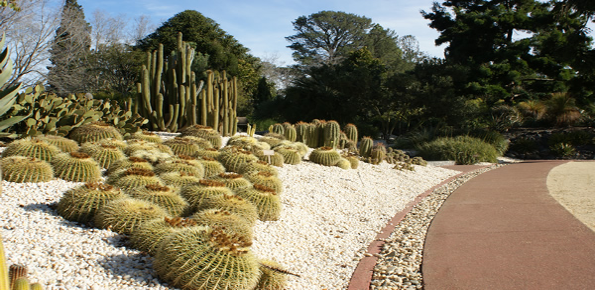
x: 69, y: 50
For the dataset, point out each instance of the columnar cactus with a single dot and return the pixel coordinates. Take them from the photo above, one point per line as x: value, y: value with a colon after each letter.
x: 206, y: 258
x: 76, y: 166
x: 290, y: 133
x: 81, y: 203
x: 301, y: 129
x: 351, y: 132
x: 332, y: 133
x: 278, y: 129
x: 25, y: 169
x: 365, y: 147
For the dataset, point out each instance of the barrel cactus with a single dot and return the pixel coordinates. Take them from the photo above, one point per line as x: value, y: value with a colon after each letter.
x: 290, y: 155
x: 25, y: 169
x: 138, y: 145
x: 231, y: 203
x: 124, y: 215
x: 168, y: 197
x: 208, y: 152
x: 230, y: 223
x: 378, y: 153
x: 105, y: 155
x: 150, y: 234
x: 205, y: 132
x: 181, y: 163
x: 80, y: 204
x: 212, y: 167
x: 179, y: 179
x: 258, y: 166
x: 128, y: 179
x: 206, y: 258
x: 76, y: 166
x: 232, y: 180
x: 332, y: 133
x: 365, y: 147
x: 197, y: 192
x: 182, y: 146
x: 351, y: 132
x: 343, y: 163
x: 63, y: 143
x: 130, y: 162
x: 272, y: 277
x: 235, y: 158
x: 35, y: 148
x: 265, y: 199
x: 146, y: 136
x: 276, y: 159
x: 265, y: 178
x: 290, y: 133
x: 94, y: 131
x: 325, y: 156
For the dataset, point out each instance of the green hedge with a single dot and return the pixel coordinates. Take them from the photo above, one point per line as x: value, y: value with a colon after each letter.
x: 461, y: 149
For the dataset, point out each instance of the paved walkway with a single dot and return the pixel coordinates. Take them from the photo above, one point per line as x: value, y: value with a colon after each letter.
x: 502, y: 230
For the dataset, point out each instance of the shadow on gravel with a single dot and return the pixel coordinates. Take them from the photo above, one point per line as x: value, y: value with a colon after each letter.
x: 135, y: 268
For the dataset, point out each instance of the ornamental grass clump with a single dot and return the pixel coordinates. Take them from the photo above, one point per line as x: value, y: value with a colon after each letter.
x: 461, y: 149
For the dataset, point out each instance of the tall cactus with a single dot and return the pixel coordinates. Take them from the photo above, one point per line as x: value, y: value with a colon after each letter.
x: 171, y: 85
x: 332, y: 133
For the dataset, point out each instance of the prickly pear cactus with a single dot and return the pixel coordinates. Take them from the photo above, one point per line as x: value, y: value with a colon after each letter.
x: 168, y: 197
x: 25, y: 169
x: 325, y: 156
x: 31, y: 148
x: 265, y: 199
x: 76, y: 166
x: 81, y: 203
x: 124, y: 215
x: 206, y: 258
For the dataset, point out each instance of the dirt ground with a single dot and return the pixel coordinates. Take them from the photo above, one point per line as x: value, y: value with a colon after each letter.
x: 573, y: 185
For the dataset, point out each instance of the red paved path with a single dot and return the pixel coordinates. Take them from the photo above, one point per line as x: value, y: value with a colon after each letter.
x: 502, y: 230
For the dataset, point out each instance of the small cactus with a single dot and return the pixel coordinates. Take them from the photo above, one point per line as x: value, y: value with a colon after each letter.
x: 75, y: 166
x: 94, y: 131
x: 272, y: 276
x: 351, y: 132
x: 343, y: 164
x: 81, y: 203
x: 124, y: 215
x: 325, y: 156
x: 378, y: 153
x: 25, y: 169
x: 365, y: 147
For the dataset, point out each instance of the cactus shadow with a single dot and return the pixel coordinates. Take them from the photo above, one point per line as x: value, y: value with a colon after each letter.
x: 134, y: 268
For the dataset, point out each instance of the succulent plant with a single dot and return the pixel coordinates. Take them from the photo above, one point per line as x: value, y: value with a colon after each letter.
x: 113, y: 142
x: 130, y: 178
x: 248, y: 143
x: 63, y: 143
x: 15, y: 272
x: 124, y: 215
x: 76, y: 166
x: 205, y: 132
x: 272, y: 276
x: 31, y: 148
x: 332, y: 133
x: 212, y: 167
x: 150, y: 234
x: 80, y: 204
x: 353, y: 160
x: 130, y: 162
x: 139, y: 145
x: 181, y: 163
x: 278, y: 129
x: 197, y: 192
x: 351, y: 132
x: 208, y: 152
x: 235, y: 158
x: 365, y: 147
x: 25, y: 169
x: 206, y: 258
x: 105, y: 155
x: 179, y: 179
x: 343, y: 164
x: 258, y: 166
x: 168, y: 197
x: 276, y: 159
x: 153, y: 155
x: 378, y: 153
x: 265, y: 178
x: 325, y: 156
x: 183, y: 146
x: 290, y: 155
x: 403, y: 166
x: 265, y: 199
x: 230, y: 223
x: 419, y: 161
x: 231, y: 203
x: 290, y: 133
x: 146, y: 136
x: 232, y: 180
x: 94, y: 131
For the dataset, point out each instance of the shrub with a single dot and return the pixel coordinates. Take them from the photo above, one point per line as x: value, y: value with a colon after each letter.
x: 461, y: 149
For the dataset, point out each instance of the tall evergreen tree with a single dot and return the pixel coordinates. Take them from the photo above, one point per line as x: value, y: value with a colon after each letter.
x: 71, y: 45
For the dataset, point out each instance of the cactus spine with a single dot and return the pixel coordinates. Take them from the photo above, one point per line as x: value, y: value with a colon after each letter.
x: 25, y: 169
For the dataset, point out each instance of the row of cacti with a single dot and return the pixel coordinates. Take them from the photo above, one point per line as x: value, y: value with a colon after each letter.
x: 169, y: 85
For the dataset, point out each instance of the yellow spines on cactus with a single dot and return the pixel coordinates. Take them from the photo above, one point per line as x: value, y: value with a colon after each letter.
x: 258, y: 166
x: 206, y: 258
x: 149, y: 235
x: 124, y: 215
x: 265, y: 199
x: 179, y: 179
x: 351, y: 132
x: 75, y: 166
x: 25, y: 169
x: 127, y: 179
x: 21, y: 283
x: 234, y: 159
x: 232, y: 203
x: 94, y: 131
x: 15, y: 272
x: 63, y: 143
x: 365, y: 146
x: 181, y: 163
x: 212, y: 167
x: 343, y: 164
x: 36, y: 286
x: 145, y: 135
x: 231, y: 223
x: 130, y: 162
x: 168, y: 197
x: 325, y: 156
x: 81, y: 203
x: 197, y: 192
x: 272, y: 277
x: 232, y: 180
x: 31, y: 148
x: 104, y: 154
x: 183, y: 146
x: 265, y: 178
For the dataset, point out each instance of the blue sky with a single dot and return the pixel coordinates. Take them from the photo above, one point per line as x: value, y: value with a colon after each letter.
x: 262, y: 25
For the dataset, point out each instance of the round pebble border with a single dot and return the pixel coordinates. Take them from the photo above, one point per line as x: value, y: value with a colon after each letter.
x: 398, y: 264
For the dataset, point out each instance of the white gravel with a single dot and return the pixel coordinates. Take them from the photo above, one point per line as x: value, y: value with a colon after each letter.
x: 329, y: 217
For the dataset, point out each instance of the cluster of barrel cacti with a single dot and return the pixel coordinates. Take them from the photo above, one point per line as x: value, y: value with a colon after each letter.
x: 176, y: 206
x: 170, y: 96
